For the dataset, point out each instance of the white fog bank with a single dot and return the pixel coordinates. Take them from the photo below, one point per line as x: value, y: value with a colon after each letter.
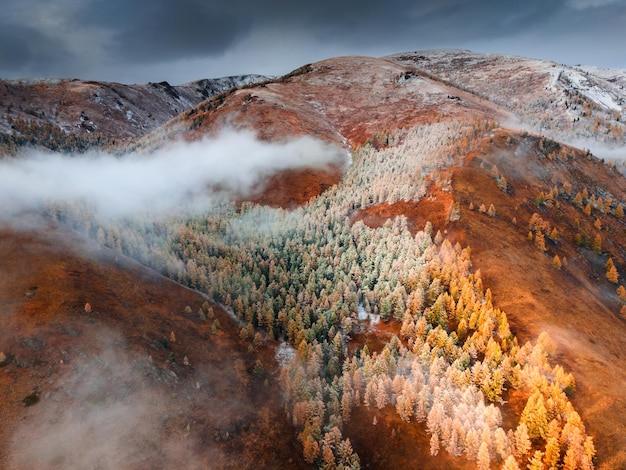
x: 181, y: 176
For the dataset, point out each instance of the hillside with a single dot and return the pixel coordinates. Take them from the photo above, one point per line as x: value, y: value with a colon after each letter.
x: 345, y: 100
x: 574, y: 303
x: 135, y: 380
x: 444, y: 300
x: 584, y: 106
x: 71, y: 115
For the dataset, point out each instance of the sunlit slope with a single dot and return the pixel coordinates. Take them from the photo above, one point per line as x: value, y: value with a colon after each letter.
x: 542, y: 220
x: 558, y: 220
x: 359, y: 100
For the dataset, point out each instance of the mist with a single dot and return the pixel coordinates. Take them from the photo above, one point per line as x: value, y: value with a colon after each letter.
x: 616, y: 154
x: 184, y: 176
x: 105, y: 413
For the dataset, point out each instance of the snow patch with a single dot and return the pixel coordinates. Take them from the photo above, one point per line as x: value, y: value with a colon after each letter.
x: 363, y: 315
x: 585, y: 85
x: 285, y: 354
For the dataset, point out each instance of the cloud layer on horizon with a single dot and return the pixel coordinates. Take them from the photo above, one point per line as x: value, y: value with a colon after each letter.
x: 150, y: 40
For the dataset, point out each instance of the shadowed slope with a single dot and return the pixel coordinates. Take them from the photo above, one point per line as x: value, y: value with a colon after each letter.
x: 134, y: 380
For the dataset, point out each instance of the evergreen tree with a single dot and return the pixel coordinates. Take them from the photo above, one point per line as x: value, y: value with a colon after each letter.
x: 611, y: 271
x: 482, y: 459
x: 510, y: 464
x: 540, y: 242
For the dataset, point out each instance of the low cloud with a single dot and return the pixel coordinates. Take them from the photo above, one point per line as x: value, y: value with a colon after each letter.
x: 180, y: 177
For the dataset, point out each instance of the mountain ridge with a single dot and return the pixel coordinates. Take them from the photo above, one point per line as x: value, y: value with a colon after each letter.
x: 49, y: 112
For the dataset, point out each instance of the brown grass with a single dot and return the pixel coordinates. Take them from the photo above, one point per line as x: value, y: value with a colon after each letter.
x: 434, y: 207
x: 48, y: 276
x: 292, y: 188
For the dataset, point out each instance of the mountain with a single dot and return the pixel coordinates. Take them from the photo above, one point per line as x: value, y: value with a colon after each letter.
x: 69, y: 114
x: 578, y: 104
x: 449, y: 295
x: 319, y: 99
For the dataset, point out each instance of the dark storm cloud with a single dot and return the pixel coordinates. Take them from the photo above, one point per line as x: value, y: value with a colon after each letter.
x: 25, y: 48
x: 148, y: 30
x: 124, y: 37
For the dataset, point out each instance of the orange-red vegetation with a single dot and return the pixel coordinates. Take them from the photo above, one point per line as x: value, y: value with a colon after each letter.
x: 332, y: 102
x: 576, y: 305
x: 434, y: 207
x: 291, y: 188
x: 213, y: 407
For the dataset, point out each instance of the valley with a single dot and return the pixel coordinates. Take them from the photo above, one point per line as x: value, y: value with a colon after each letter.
x: 461, y: 219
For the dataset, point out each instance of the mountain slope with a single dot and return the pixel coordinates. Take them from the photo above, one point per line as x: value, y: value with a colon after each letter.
x: 341, y: 100
x: 575, y: 303
x: 135, y: 380
x: 367, y: 100
x: 40, y: 111
x: 571, y: 104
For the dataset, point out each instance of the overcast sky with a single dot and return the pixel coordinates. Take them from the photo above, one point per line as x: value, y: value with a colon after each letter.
x: 136, y: 41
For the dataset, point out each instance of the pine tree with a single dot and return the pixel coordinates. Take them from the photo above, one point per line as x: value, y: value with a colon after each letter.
x: 585, y: 194
x: 535, y: 416
x: 510, y: 464
x: 328, y: 458
x: 434, y: 444
x: 536, y: 462
x: 346, y: 402
x: 553, y: 452
x: 522, y: 441
x: 554, y: 235
x: 311, y: 449
x: 482, y: 459
x: 501, y: 442
x: 404, y: 407
x: 578, y: 200
x: 502, y: 184
x: 382, y: 398
x: 611, y: 271
x: 540, y: 242
x: 596, y: 246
